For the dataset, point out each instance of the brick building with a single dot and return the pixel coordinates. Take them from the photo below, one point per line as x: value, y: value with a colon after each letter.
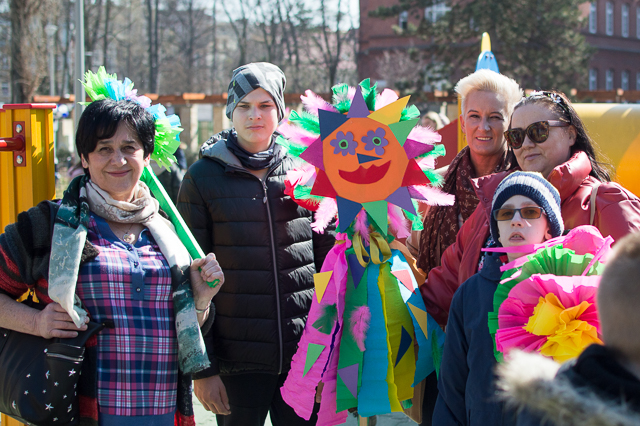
x: 612, y: 27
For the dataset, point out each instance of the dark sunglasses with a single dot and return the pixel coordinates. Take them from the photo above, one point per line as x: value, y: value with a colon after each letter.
x: 538, y: 132
x: 525, y: 213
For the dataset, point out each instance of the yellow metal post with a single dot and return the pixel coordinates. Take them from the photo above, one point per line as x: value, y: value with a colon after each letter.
x: 27, y: 178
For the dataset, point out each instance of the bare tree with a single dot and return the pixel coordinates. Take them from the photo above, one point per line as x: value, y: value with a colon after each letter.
x: 106, y: 35
x: 153, y: 43
x: 401, y: 70
x: 28, y: 48
x: 330, y: 40
x: 92, y: 18
x: 240, y: 28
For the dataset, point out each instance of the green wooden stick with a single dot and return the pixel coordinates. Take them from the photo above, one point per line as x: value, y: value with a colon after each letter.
x: 185, y: 235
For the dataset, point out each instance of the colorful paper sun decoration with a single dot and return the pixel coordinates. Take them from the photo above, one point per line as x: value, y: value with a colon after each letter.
x: 367, y: 164
x: 548, y: 304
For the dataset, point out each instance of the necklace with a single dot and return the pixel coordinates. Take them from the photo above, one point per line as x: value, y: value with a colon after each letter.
x: 128, y: 237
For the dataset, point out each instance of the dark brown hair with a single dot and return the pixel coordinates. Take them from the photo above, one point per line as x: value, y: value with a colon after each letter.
x: 558, y: 103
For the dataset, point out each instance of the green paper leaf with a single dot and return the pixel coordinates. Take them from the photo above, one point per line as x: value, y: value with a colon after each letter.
x: 313, y: 353
x: 327, y: 320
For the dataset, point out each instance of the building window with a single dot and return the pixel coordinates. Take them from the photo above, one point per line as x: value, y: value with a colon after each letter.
x: 5, y: 89
x: 435, y: 11
x: 638, y: 81
x: 593, y: 18
x: 638, y: 22
x: 625, y: 20
x: 608, y: 84
x: 593, y: 79
x: 609, y: 16
x: 624, y: 80
x: 403, y: 20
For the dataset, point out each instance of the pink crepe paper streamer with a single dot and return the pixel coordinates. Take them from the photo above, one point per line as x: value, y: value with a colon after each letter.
x: 312, y: 103
x: 298, y: 134
x: 361, y: 225
x: 398, y: 223
x: 430, y: 195
x: 327, y: 210
x: 299, y: 389
x: 515, y: 311
x: 385, y: 98
x: 359, y: 325
x: 425, y: 135
x: 327, y: 415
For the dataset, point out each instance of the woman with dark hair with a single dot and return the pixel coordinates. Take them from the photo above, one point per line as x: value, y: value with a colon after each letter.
x: 547, y: 136
x: 105, y: 247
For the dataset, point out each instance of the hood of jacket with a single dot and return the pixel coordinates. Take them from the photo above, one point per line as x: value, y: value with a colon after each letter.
x: 566, y: 394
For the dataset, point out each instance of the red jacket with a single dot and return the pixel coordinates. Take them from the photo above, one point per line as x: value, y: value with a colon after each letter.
x: 617, y: 214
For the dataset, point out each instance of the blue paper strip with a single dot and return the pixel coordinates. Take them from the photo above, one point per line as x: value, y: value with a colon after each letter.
x: 374, y: 391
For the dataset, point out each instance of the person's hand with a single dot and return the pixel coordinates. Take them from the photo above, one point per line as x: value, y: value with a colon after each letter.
x: 54, y: 321
x: 212, y: 394
x: 204, y: 271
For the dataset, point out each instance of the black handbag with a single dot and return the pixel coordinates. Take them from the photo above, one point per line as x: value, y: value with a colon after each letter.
x: 39, y: 377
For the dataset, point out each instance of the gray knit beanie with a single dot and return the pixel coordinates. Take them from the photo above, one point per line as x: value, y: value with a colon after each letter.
x: 247, y: 78
x: 538, y: 189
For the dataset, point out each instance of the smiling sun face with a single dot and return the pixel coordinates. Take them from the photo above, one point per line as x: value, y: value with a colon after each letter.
x: 364, y: 161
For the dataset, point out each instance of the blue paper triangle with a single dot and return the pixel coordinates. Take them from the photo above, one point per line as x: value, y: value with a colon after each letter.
x: 365, y: 158
x: 357, y: 270
x: 358, y: 107
x: 402, y: 198
x: 347, y: 211
x: 405, y: 343
x: 330, y: 121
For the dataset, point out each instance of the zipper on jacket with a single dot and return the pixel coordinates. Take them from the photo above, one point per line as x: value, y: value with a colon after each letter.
x: 275, y: 272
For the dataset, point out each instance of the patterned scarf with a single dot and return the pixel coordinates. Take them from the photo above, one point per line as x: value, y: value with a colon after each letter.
x: 69, y: 237
x: 250, y: 160
x: 441, y: 223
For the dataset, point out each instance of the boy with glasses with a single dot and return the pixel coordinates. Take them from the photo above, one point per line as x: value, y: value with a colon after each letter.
x: 525, y: 211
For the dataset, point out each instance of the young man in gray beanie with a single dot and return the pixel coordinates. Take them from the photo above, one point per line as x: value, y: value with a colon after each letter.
x: 525, y: 211
x: 233, y: 201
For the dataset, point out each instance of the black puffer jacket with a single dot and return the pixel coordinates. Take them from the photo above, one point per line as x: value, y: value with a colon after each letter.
x: 265, y: 245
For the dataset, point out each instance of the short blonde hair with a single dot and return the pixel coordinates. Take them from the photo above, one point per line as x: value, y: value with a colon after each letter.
x: 618, y: 297
x: 490, y: 81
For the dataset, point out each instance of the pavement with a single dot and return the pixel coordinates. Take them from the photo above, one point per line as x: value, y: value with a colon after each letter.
x: 205, y: 418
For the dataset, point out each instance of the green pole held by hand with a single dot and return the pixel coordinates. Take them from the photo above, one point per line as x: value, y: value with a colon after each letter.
x: 185, y: 235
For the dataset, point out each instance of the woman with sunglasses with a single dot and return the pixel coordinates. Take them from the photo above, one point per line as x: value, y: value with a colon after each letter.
x: 547, y: 136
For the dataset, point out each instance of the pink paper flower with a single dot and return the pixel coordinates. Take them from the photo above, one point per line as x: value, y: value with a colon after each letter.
x: 554, y: 315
